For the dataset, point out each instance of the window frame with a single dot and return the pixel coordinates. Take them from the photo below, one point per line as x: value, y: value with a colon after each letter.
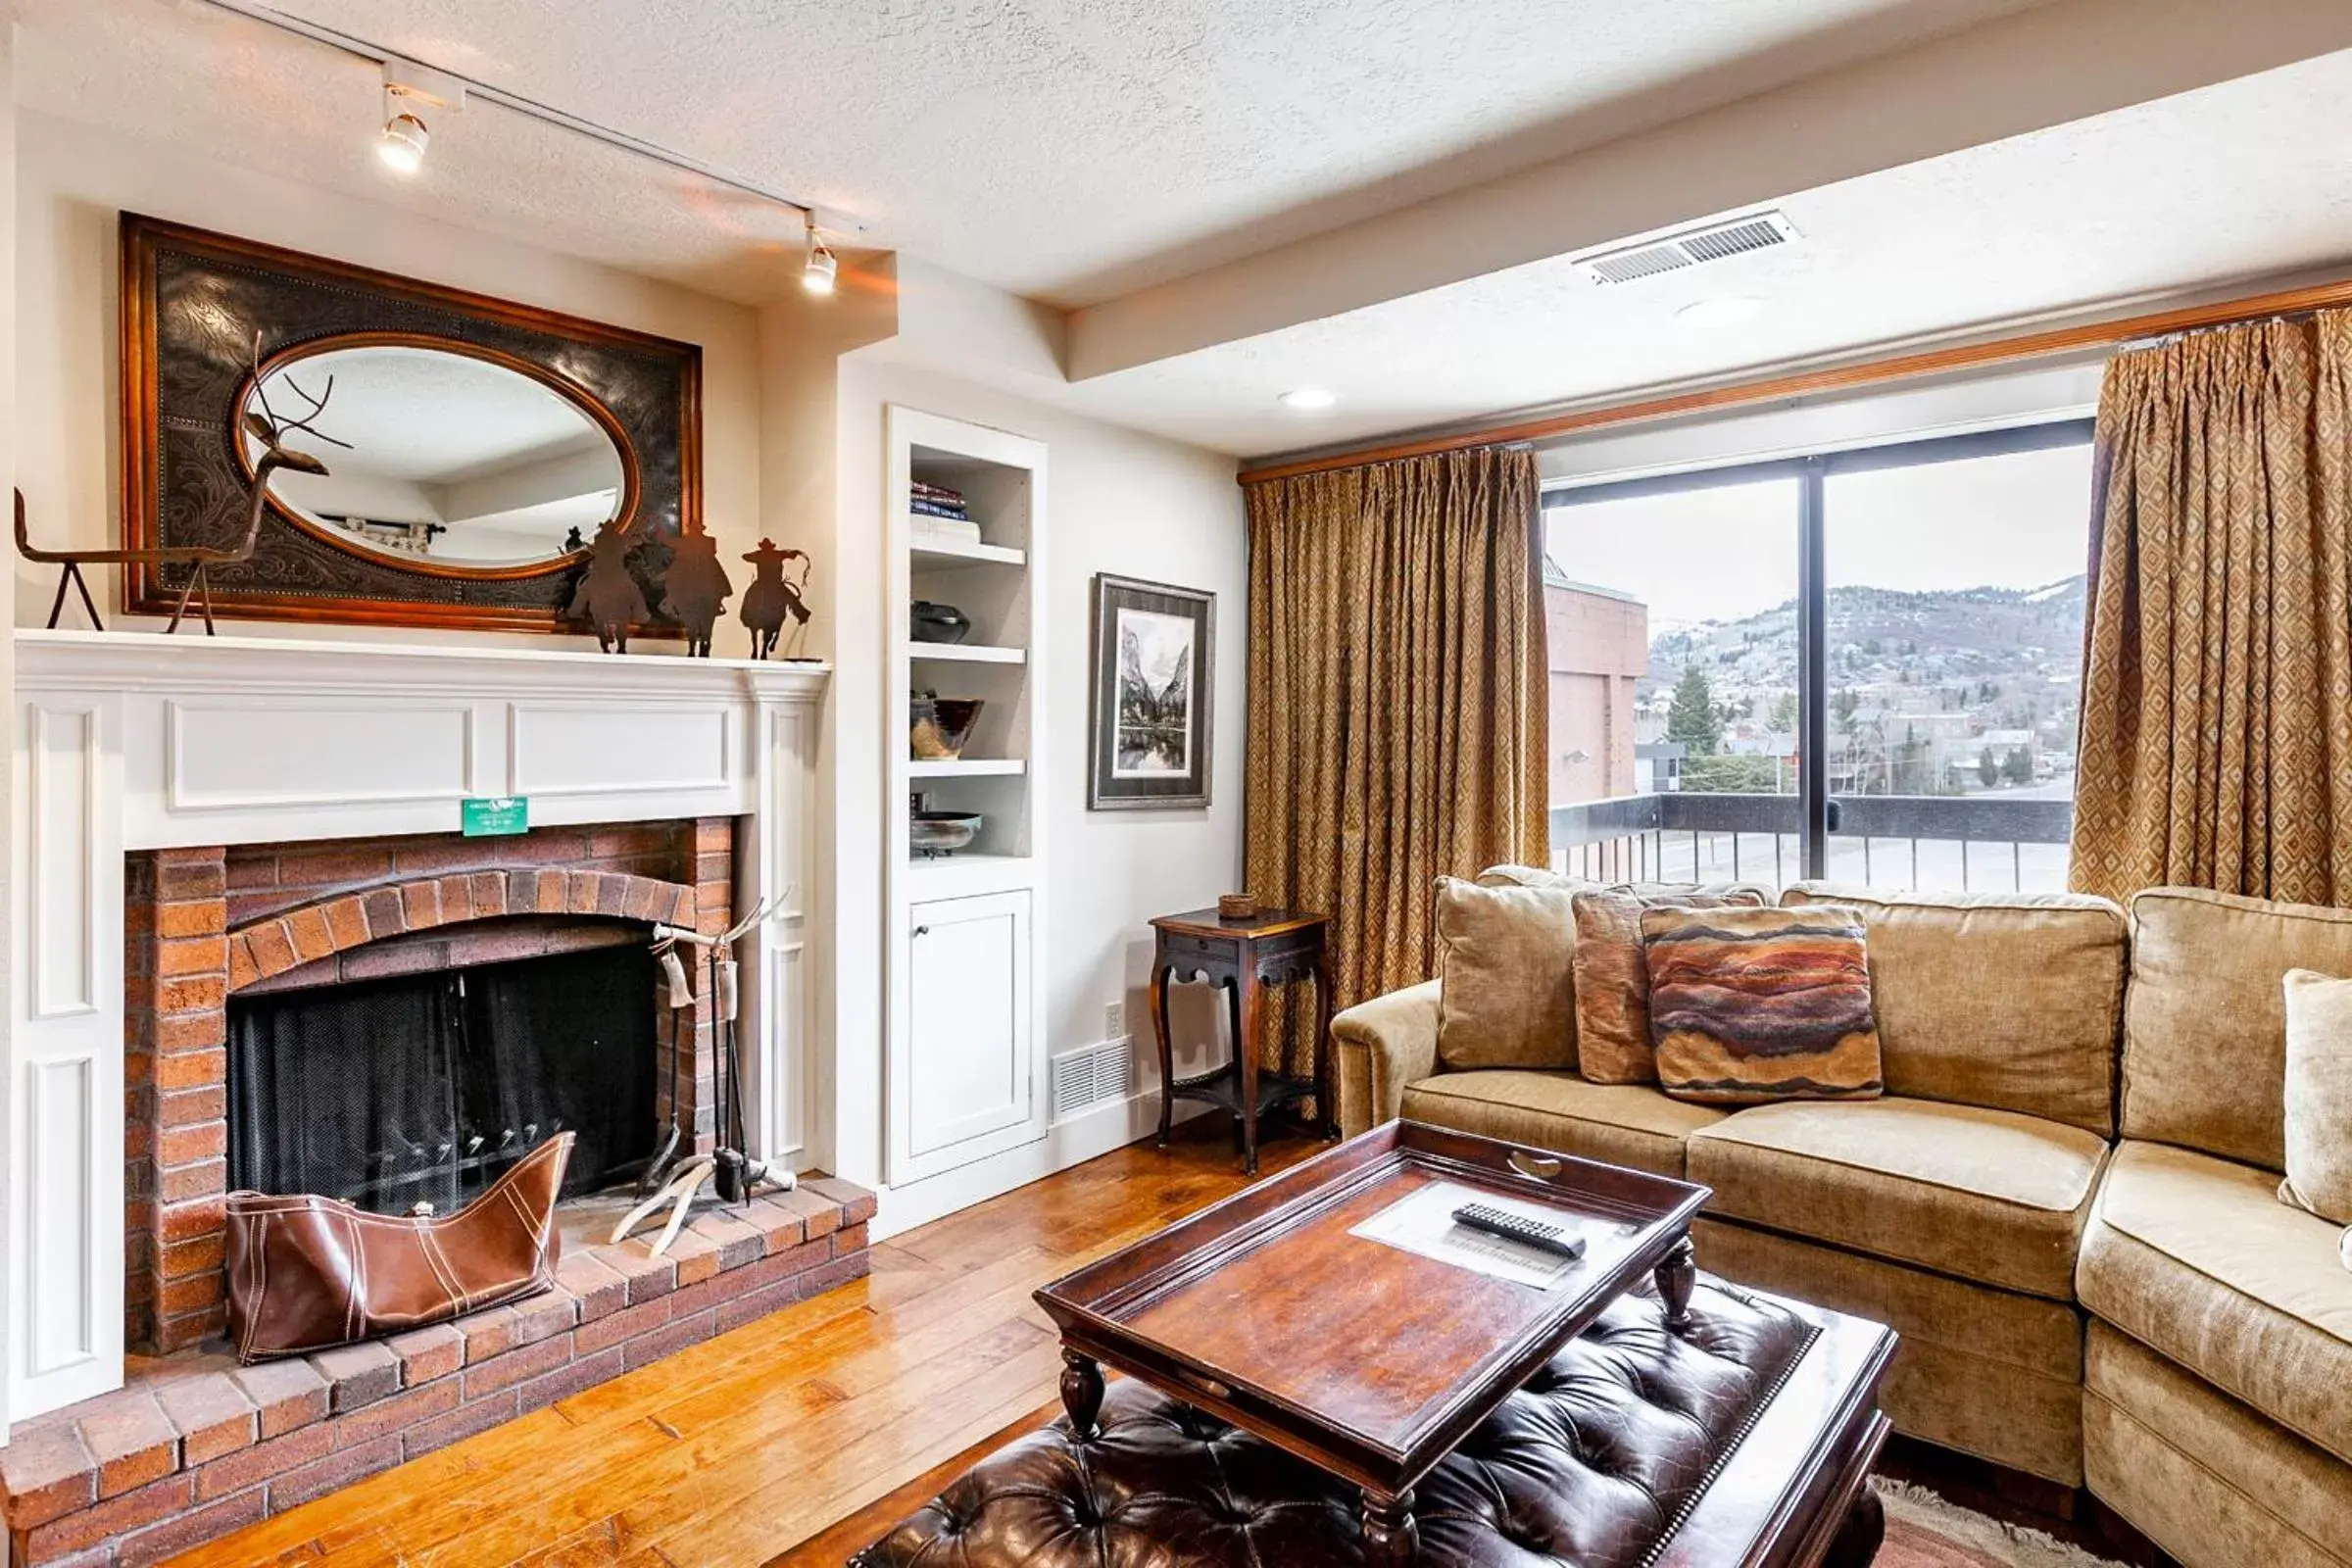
x: 1812, y: 472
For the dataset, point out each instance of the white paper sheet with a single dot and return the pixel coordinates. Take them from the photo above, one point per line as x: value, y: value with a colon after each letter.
x: 1422, y: 1222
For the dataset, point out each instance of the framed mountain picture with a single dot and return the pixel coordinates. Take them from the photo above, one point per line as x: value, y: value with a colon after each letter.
x: 1154, y: 652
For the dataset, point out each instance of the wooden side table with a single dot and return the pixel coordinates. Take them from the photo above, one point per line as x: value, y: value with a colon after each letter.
x: 1274, y: 947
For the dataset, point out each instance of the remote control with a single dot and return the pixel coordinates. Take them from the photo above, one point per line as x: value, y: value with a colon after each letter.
x: 1519, y: 1228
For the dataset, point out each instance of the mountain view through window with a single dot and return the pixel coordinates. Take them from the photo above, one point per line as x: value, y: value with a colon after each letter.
x: 1952, y: 603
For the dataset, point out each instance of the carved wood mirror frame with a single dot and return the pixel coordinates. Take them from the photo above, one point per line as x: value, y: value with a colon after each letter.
x: 193, y: 305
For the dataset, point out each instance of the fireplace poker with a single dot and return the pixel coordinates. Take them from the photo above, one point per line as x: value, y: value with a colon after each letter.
x: 733, y: 1174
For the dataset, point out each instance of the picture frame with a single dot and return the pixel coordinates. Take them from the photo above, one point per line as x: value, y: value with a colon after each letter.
x: 1153, y: 699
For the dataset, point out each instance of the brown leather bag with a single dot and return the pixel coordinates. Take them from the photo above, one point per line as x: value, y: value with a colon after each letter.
x: 307, y: 1273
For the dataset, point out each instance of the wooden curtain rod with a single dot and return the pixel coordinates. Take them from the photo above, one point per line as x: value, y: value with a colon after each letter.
x: 1843, y: 377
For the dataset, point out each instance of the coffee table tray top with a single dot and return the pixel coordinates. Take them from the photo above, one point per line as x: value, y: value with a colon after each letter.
x: 1359, y: 1356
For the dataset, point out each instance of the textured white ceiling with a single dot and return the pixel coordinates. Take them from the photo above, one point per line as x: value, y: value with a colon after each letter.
x: 1078, y: 150
x: 2240, y: 179
x: 1072, y: 150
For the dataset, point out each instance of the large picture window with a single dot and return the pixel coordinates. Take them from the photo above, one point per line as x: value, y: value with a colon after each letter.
x: 1864, y: 665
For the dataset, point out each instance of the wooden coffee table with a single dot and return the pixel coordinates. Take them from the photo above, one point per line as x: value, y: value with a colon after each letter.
x: 1362, y: 1357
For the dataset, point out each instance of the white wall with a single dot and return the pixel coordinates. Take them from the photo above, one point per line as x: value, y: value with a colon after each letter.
x: 72, y: 182
x: 1117, y: 502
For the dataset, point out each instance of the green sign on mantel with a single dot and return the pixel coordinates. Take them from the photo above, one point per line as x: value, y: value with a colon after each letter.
x: 489, y: 815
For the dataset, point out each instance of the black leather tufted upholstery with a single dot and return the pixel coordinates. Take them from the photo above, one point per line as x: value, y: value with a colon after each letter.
x: 1586, y: 1466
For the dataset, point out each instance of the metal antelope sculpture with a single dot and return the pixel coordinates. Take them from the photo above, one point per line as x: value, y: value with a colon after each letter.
x: 266, y: 427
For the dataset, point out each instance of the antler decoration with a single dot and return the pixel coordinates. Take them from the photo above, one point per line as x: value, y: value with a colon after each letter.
x: 265, y: 428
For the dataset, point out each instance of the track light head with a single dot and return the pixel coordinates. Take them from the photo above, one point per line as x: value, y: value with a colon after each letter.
x: 818, y: 271
x: 405, y: 136
x: 412, y: 93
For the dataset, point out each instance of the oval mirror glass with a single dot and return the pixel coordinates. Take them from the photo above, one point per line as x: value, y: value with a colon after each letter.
x: 437, y: 456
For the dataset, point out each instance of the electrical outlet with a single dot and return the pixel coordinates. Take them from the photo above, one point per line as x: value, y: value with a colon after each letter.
x: 1114, y: 1020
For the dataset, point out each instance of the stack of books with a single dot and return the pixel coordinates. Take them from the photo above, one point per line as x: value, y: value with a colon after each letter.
x: 941, y: 512
x: 937, y: 501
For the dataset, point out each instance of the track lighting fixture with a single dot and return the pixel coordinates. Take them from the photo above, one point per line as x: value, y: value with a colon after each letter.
x: 412, y: 94
x: 816, y: 273
x: 406, y: 134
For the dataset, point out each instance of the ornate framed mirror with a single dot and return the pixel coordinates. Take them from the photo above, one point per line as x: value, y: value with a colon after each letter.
x: 474, y: 447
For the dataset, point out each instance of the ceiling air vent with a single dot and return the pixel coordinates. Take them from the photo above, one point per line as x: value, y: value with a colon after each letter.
x: 1693, y: 247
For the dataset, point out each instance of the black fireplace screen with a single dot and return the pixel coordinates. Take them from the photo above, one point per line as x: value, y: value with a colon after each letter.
x: 428, y: 1087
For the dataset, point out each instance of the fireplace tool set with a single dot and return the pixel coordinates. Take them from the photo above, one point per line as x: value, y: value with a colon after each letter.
x: 732, y: 1174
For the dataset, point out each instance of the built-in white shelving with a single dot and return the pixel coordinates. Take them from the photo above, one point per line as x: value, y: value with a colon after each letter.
x: 967, y: 653
x: 965, y: 1074
x: 939, y: 549
x: 968, y: 767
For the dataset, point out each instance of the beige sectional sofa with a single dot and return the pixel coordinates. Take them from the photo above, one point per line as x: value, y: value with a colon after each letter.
x: 2065, y: 1204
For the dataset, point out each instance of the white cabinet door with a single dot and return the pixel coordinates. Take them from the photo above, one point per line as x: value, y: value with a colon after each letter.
x: 968, y: 1085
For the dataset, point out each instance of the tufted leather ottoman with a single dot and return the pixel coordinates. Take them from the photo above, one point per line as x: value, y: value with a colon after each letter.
x: 1745, y: 1439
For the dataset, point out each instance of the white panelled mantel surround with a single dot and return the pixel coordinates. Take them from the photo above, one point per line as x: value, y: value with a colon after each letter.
x: 132, y: 741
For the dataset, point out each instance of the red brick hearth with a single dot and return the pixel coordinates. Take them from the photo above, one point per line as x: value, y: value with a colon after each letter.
x: 195, y: 1446
x: 203, y: 923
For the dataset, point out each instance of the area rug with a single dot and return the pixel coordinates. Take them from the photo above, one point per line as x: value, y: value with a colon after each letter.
x: 1923, y: 1531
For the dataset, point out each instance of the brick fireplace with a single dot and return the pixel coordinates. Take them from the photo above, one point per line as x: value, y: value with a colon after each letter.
x: 203, y: 925
x: 223, y: 832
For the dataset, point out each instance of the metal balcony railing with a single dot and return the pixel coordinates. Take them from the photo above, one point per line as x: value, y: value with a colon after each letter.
x: 1928, y: 842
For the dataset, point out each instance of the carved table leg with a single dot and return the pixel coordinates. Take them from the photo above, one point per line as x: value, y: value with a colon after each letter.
x: 1856, y: 1543
x: 1082, y: 1393
x: 1390, y: 1538
x: 1678, y: 1277
x: 1167, y: 1051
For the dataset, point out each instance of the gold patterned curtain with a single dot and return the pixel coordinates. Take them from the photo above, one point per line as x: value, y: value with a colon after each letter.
x: 2217, y: 693
x: 1397, y: 698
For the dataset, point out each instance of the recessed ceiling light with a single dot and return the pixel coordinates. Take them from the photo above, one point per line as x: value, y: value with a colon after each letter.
x: 1308, y: 399
x: 1726, y: 310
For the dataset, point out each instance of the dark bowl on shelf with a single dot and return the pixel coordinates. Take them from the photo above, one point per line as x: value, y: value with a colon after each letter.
x: 943, y: 832
x: 939, y: 726
x: 937, y: 623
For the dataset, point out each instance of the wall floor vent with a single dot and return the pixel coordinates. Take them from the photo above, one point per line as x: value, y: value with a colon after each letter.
x: 1093, y: 1076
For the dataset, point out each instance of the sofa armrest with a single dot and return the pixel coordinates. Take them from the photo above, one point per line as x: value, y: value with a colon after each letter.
x: 1378, y: 1046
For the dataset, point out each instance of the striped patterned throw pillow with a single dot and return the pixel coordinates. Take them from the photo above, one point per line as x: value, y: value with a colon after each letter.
x: 1750, y: 1005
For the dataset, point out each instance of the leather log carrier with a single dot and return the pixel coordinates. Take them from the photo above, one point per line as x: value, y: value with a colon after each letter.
x: 307, y: 1273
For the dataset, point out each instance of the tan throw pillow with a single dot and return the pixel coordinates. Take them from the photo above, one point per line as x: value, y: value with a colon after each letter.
x: 2319, y: 1096
x: 1612, y: 983
x: 1750, y: 1006
x: 1503, y: 956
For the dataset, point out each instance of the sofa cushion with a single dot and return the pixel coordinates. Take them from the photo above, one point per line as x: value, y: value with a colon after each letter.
x: 1533, y: 876
x: 1750, y: 1006
x: 2205, y: 1018
x: 1986, y: 1195
x: 1612, y: 982
x: 2008, y: 1000
x: 2319, y: 1096
x: 2202, y: 1475
x: 1502, y: 956
x: 1988, y: 1372
x: 2196, y: 1258
x: 1622, y: 1124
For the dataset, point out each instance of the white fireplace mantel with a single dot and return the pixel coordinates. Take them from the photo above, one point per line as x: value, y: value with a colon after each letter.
x: 132, y: 741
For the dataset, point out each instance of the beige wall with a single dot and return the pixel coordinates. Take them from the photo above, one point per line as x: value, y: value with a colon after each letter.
x: 72, y: 182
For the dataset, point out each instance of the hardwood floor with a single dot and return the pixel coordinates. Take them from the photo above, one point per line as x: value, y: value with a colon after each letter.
x: 742, y: 1448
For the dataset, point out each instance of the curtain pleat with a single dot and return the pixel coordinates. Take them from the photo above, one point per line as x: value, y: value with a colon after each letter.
x: 1397, y: 701
x: 2218, y: 649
